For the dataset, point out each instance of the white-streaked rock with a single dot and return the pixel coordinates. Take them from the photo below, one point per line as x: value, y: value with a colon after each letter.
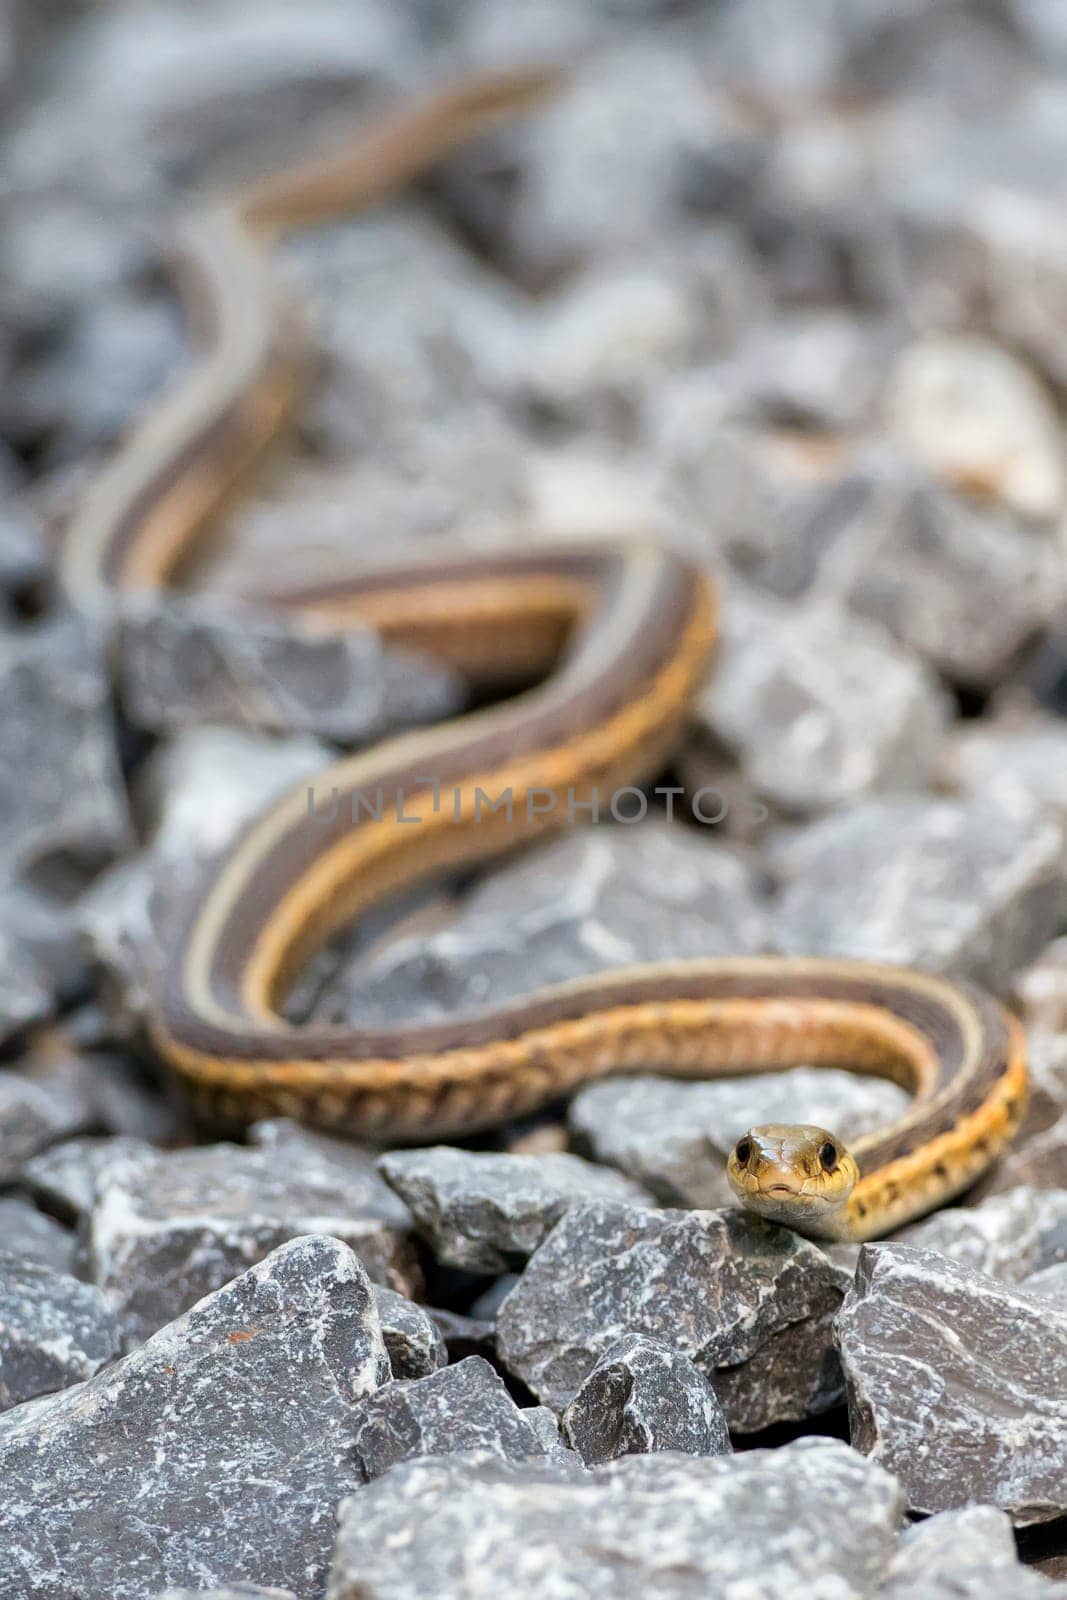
x: 144, y: 1474
x: 813, y: 1515
x: 489, y: 1211
x: 957, y: 1383
x: 749, y: 1304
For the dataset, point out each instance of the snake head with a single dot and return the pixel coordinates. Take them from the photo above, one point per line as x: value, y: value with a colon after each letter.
x: 795, y: 1174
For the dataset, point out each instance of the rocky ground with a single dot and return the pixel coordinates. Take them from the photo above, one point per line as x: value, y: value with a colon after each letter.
x: 786, y: 285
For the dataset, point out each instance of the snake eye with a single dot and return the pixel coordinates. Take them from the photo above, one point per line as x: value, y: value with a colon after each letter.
x: 742, y: 1151
x: 828, y: 1156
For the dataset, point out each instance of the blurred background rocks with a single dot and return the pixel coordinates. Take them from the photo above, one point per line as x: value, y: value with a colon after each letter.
x: 785, y: 286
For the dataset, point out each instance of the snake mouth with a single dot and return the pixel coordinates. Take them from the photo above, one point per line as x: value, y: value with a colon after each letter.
x: 785, y: 1189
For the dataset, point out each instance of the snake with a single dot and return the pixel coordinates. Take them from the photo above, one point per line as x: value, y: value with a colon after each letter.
x: 584, y: 660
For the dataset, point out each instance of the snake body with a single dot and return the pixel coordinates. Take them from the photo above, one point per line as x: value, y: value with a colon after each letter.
x: 619, y: 635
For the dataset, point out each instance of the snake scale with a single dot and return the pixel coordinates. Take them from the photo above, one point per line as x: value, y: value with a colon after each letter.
x: 615, y: 638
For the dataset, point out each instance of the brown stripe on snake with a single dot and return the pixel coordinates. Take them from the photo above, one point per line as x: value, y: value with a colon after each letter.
x: 624, y: 632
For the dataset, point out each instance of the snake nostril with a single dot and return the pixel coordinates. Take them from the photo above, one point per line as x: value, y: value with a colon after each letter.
x: 742, y: 1152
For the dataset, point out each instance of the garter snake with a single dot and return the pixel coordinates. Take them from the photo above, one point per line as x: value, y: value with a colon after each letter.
x: 619, y: 635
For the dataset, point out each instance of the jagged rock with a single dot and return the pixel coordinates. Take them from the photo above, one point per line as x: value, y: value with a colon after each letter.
x: 750, y: 1305
x: 641, y: 1397
x: 1012, y: 761
x: 488, y: 1212
x: 597, y: 898
x: 969, y: 886
x: 812, y: 1515
x: 54, y: 1331
x: 674, y: 1137
x: 463, y: 1407
x: 412, y: 1339
x: 1008, y: 1235
x: 975, y: 416
x: 545, y: 1424
x: 1049, y: 1284
x: 65, y: 1177
x: 964, y: 1553
x: 819, y: 706
x: 27, y: 1232
x: 36, y: 960
x: 39, y: 1107
x: 962, y: 585
x: 169, y: 1227
x: 143, y: 1475
x: 61, y: 790
x: 956, y: 1382
x: 183, y: 662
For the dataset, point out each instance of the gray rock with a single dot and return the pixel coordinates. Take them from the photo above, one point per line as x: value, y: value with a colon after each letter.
x: 445, y: 336
x: 415, y: 1346
x: 597, y: 898
x: 29, y: 1233
x: 1014, y: 760
x: 674, y: 1137
x: 810, y: 370
x: 962, y: 585
x: 1039, y: 1162
x: 66, y: 1176
x: 957, y: 1553
x: 39, y: 1107
x: 818, y: 706
x: 215, y: 1454
x: 54, y: 1331
x: 545, y: 1424
x: 956, y: 1382
x: 969, y: 886
x: 606, y: 166
x: 36, y: 960
x: 488, y: 1212
x: 750, y: 1305
x: 1049, y: 1284
x: 812, y: 1515
x: 61, y: 790
x: 1008, y: 1235
x: 185, y: 662
x: 642, y: 1397
x: 463, y: 1407
x: 116, y: 357
x: 168, y: 1228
